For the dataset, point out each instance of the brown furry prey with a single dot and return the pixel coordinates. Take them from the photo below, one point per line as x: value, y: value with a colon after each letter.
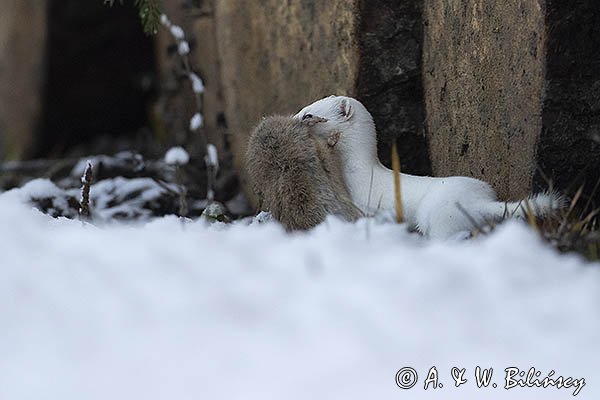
x: 296, y: 174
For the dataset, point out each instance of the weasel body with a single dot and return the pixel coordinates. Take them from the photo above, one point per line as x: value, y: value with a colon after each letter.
x: 296, y: 174
x: 438, y: 207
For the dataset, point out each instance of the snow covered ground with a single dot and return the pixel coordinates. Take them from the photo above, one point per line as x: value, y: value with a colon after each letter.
x: 198, y: 311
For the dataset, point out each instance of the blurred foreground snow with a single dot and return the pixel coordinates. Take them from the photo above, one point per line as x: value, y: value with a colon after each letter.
x: 198, y: 311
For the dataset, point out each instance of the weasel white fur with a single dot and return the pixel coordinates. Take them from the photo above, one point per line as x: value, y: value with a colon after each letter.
x: 431, y: 204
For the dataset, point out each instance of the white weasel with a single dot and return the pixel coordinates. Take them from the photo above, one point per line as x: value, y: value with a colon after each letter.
x: 438, y: 207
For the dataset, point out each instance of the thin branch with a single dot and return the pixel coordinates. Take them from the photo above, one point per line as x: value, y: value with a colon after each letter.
x: 84, y: 202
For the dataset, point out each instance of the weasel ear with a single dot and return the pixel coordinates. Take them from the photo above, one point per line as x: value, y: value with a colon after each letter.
x: 346, y: 110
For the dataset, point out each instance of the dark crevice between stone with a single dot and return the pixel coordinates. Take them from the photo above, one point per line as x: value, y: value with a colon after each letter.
x: 569, y: 147
x: 389, y: 80
x: 99, y: 76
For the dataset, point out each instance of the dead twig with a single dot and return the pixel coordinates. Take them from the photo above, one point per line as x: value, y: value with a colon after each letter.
x: 84, y: 202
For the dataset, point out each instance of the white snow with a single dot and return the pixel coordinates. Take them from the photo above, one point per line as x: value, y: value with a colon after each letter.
x: 177, y: 156
x: 196, y: 122
x: 210, y: 194
x: 124, y: 198
x: 177, y: 32
x: 129, y: 159
x: 246, y: 311
x: 212, y: 157
x: 40, y: 189
x: 197, y: 84
x: 110, y: 199
x: 79, y: 168
x: 165, y: 20
x: 183, y: 48
x: 35, y: 189
x: 88, y: 165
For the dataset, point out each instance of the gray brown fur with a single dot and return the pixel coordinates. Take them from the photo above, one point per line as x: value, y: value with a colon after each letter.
x: 296, y: 175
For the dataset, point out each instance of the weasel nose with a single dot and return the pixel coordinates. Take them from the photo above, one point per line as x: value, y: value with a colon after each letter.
x: 307, y: 116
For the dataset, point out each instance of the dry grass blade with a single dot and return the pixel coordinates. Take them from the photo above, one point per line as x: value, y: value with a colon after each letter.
x: 585, y: 225
x: 530, y: 216
x: 397, y: 192
x: 591, y: 196
x: 576, y: 198
x: 506, y: 213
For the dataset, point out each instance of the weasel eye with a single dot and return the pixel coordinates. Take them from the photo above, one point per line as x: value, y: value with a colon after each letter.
x: 307, y: 116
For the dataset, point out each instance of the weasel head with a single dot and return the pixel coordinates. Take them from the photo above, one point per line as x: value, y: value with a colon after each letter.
x: 348, y: 122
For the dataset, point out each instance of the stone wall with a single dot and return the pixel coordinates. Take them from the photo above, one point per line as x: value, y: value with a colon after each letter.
x: 22, y: 51
x: 511, y: 92
x: 483, y: 73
